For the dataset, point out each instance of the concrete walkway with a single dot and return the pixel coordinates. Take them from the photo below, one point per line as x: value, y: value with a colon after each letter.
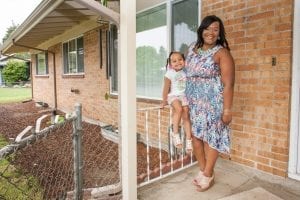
x: 232, y: 182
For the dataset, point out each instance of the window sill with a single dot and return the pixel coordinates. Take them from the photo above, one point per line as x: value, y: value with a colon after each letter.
x: 41, y: 76
x: 139, y: 99
x: 73, y: 76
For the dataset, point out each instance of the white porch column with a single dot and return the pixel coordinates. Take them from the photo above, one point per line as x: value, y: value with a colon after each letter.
x: 127, y: 98
x: 294, y: 153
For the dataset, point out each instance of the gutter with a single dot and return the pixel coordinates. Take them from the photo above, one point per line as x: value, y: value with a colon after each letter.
x: 54, y: 68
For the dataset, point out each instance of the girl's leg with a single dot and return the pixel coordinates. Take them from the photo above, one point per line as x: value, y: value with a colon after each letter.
x: 176, y: 116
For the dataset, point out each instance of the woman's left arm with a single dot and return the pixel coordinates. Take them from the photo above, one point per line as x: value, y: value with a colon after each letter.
x: 227, y: 66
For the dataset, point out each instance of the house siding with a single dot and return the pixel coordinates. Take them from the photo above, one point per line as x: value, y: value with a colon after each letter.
x: 257, y: 32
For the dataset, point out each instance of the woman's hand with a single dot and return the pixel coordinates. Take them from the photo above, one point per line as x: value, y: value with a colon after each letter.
x: 226, y: 118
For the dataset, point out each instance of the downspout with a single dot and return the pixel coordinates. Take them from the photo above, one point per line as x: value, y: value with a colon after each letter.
x: 54, y: 68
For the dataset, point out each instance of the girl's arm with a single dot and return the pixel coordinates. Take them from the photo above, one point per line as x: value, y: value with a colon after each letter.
x: 166, y: 90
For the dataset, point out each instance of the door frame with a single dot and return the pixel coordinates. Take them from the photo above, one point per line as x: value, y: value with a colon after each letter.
x: 294, y: 150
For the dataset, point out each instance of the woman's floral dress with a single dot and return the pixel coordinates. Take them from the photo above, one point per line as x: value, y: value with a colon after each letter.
x: 204, y: 91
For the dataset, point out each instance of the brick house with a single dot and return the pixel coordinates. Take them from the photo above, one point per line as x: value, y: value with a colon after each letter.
x: 74, y: 59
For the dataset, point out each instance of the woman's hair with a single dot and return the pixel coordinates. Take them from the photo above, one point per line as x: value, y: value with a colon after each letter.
x: 169, y: 58
x: 206, y: 22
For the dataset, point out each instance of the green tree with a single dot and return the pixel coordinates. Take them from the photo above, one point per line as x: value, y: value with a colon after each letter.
x: 9, y: 31
x: 15, y: 71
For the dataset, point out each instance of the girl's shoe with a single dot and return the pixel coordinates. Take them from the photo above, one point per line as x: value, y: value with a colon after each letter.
x: 189, y: 146
x: 205, y: 183
x: 176, y: 140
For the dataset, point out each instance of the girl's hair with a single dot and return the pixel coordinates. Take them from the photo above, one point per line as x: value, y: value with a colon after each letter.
x: 206, y: 22
x: 169, y: 58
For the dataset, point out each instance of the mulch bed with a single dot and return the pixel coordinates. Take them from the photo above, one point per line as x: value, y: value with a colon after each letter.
x: 52, y: 156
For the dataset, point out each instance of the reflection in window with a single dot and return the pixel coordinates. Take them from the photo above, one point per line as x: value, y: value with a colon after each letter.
x: 41, y: 64
x: 184, y: 24
x: 73, y: 56
x: 151, y: 51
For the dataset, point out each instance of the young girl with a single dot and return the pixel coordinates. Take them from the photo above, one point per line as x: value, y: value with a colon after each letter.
x: 174, y: 95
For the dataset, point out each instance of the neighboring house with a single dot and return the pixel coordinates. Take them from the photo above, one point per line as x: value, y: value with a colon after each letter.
x: 5, y: 59
x: 74, y: 59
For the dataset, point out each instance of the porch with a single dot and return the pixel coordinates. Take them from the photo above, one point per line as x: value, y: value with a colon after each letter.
x: 233, y: 182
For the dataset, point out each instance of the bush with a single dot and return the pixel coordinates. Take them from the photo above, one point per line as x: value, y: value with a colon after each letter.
x: 15, y: 71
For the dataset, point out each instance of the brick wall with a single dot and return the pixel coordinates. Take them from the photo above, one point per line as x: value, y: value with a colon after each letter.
x: 92, y: 86
x: 259, y: 31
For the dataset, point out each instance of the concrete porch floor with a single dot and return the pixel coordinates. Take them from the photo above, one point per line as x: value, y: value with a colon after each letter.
x: 232, y: 182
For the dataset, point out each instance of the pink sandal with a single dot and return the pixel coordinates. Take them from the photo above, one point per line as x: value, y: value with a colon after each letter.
x: 176, y: 140
x: 197, y: 178
x: 205, y: 183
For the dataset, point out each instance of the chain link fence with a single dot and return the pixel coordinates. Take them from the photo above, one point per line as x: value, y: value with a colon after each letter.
x: 71, y: 159
x: 49, y: 162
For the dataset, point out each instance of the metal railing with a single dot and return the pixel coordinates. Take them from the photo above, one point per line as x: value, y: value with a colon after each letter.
x: 156, y: 133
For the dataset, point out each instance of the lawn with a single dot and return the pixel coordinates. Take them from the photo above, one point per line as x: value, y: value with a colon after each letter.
x: 9, y: 95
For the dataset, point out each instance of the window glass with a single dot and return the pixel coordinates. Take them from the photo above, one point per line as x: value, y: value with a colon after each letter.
x: 184, y: 24
x: 73, y: 53
x: 151, y: 51
x: 114, y: 57
x: 41, y: 64
x: 152, y: 43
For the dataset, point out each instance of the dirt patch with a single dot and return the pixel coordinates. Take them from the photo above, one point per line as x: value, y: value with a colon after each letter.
x: 50, y: 160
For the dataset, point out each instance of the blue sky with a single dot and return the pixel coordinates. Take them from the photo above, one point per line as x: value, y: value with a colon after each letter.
x: 15, y: 11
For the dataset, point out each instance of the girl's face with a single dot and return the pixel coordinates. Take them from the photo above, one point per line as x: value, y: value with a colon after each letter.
x: 176, y: 61
x: 210, y: 34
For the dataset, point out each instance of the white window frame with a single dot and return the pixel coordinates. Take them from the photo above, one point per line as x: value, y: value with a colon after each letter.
x: 68, y: 54
x: 38, y: 70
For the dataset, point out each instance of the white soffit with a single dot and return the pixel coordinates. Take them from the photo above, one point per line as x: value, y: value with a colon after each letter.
x: 54, y: 17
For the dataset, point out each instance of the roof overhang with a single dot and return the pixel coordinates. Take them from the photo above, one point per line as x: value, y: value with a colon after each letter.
x: 52, y: 18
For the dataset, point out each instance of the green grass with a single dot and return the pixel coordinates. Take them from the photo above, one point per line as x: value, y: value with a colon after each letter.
x: 11, y: 95
x: 14, y: 185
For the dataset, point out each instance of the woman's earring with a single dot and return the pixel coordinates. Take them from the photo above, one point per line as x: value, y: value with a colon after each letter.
x: 219, y: 38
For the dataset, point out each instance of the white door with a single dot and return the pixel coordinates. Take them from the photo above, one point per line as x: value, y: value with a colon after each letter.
x: 294, y: 153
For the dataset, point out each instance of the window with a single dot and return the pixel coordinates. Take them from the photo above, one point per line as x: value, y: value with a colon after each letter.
x: 184, y: 24
x: 73, y: 56
x: 41, y: 64
x: 158, y: 31
x: 113, y: 57
x: 151, y: 51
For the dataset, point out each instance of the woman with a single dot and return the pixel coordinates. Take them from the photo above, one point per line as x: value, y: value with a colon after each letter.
x: 209, y: 89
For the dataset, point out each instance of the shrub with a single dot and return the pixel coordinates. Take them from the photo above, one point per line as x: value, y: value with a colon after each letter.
x: 15, y: 71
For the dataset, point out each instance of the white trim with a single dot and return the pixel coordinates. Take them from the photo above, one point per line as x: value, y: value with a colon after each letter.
x: 127, y: 98
x: 105, y: 12
x: 294, y: 157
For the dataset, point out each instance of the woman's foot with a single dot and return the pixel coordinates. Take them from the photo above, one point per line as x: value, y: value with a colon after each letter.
x: 197, y: 178
x: 205, y: 183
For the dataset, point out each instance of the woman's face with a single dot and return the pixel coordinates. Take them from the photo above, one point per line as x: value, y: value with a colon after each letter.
x: 211, y: 33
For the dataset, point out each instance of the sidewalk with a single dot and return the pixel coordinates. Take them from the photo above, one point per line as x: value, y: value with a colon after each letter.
x: 232, y: 182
